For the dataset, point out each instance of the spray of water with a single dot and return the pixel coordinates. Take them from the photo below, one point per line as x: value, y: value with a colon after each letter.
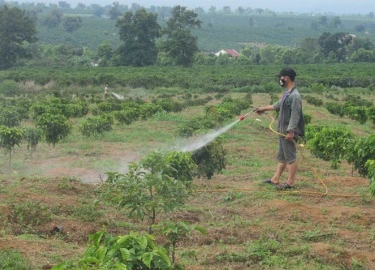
x: 117, y: 96
x: 206, y: 139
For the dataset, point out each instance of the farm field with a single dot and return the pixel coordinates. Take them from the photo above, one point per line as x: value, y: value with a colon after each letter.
x: 50, y: 199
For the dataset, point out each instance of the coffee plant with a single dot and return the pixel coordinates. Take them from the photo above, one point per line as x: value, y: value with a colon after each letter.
x: 158, y: 183
x: 55, y: 127
x: 96, y: 125
x: 177, y: 231
x: 360, y: 152
x: 329, y: 143
x: 133, y: 252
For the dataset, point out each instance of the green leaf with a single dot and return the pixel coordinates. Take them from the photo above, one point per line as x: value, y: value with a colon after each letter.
x: 125, y: 254
x: 147, y: 258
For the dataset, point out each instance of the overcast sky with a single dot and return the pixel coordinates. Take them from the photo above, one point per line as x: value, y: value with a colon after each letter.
x: 334, y: 6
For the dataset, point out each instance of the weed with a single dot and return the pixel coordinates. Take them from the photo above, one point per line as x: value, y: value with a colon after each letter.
x: 30, y: 214
x: 356, y: 265
x: 88, y: 211
x: 232, y: 196
x: 10, y: 259
x: 66, y: 183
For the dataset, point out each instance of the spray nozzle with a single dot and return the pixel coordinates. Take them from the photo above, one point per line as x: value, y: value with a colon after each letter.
x: 242, y: 117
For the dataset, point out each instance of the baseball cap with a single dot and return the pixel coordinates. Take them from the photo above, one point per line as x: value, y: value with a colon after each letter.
x: 287, y: 72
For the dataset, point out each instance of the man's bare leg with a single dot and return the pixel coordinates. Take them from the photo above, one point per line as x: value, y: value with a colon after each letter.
x: 279, y: 171
x: 292, y: 168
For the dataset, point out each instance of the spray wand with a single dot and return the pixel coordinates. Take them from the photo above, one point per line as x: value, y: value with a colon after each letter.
x: 242, y: 117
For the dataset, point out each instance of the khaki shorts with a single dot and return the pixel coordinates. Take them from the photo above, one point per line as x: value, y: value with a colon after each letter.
x: 287, y: 151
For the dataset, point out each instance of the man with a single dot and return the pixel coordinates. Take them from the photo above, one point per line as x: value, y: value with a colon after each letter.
x: 291, y: 124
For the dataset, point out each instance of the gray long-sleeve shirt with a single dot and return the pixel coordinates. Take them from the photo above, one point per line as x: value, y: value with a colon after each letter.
x: 290, y: 113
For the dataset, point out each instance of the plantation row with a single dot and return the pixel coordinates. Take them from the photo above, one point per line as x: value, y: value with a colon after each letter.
x: 353, y: 107
x: 200, y: 78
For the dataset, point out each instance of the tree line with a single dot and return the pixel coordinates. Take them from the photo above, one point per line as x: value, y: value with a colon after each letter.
x: 145, y: 41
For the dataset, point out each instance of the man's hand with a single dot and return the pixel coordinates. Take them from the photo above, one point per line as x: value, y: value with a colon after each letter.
x: 260, y: 110
x: 289, y: 136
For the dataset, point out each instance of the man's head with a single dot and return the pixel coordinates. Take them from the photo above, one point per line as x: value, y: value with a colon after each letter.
x: 286, y: 76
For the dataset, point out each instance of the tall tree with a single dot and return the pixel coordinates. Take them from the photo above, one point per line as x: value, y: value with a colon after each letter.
x: 335, y: 44
x: 16, y: 28
x: 138, y: 32
x: 180, y: 45
x: 53, y: 18
x: 72, y: 23
x: 114, y: 11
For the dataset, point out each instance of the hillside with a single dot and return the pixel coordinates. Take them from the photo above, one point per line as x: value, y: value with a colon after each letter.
x: 218, y: 31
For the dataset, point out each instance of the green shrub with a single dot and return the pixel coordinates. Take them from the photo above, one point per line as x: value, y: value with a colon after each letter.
x: 32, y: 136
x: 158, y: 183
x: 307, y: 118
x: 9, y: 88
x: 329, y: 144
x: 133, y: 251
x: 210, y: 159
x: 313, y: 100
x: 55, y: 127
x: 361, y: 151
x: 370, y: 166
x: 357, y: 113
x: 371, y: 114
x: 148, y: 109
x: 127, y: 116
x: 96, y: 125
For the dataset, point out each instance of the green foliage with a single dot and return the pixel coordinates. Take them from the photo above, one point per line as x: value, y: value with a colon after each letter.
x: 307, y: 118
x: 64, y: 106
x: 159, y: 183
x: 138, y: 32
x: 210, y: 159
x: 16, y: 28
x: 180, y: 44
x: 55, y: 127
x: 32, y: 136
x: 335, y: 44
x: 72, y: 23
x: 9, y: 88
x: 133, y: 251
x: 9, y: 138
x: 96, y: 125
x: 370, y: 167
x: 335, y: 108
x: 53, y: 18
x: 329, y: 143
x: 371, y: 114
x: 9, y: 117
x: 188, y: 127
x: 313, y: 100
x: 227, y: 109
x: 109, y: 106
x: 127, y: 116
x: 356, y: 113
x: 177, y: 231
x: 147, y: 110
x: 351, y: 100
x: 360, y: 152
x: 169, y: 105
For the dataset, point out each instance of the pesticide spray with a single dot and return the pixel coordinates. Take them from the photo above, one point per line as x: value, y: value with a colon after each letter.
x: 207, y: 138
x: 117, y: 96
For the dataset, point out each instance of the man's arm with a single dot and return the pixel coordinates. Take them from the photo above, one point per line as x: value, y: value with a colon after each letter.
x: 265, y: 108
